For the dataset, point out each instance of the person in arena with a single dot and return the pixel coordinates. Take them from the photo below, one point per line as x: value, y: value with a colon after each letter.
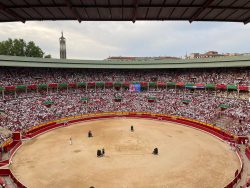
x: 103, y: 151
x: 65, y: 123
x: 132, y: 128
x: 155, y: 151
x: 99, y: 153
x: 70, y: 141
x: 90, y: 134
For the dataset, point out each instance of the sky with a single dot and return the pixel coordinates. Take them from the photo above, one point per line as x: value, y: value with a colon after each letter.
x: 99, y: 40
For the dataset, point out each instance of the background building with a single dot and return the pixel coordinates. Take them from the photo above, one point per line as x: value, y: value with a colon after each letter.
x: 211, y: 54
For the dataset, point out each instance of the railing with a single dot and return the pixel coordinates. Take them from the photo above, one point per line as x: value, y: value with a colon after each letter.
x: 239, y: 175
x: 247, y: 152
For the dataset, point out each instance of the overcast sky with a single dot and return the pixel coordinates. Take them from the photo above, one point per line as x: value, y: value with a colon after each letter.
x: 98, y: 40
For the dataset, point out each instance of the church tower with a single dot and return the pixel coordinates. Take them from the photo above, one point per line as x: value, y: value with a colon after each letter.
x: 62, y: 47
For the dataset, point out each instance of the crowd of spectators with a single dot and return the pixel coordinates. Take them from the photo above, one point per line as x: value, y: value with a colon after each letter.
x: 23, y: 113
x: 17, y: 76
x: 27, y: 109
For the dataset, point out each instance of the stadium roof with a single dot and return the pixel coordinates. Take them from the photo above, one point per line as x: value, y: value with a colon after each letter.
x: 125, y: 10
x: 15, y: 61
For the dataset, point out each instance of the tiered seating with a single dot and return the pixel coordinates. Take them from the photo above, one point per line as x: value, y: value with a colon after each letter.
x: 27, y: 89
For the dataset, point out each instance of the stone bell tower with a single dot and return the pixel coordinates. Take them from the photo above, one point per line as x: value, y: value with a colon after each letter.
x: 62, y: 41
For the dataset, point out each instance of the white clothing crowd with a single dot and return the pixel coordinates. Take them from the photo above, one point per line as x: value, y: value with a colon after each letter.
x: 23, y: 113
x: 27, y: 109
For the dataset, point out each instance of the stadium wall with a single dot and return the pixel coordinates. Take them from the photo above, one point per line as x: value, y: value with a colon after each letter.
x: 40, y: 129
x: 85, y: 117
x: 247, y: 152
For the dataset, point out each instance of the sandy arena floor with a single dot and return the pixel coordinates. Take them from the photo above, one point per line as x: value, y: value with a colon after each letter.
x: 187, y: 157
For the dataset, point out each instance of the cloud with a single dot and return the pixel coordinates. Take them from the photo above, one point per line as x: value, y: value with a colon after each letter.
x: 98, y: 40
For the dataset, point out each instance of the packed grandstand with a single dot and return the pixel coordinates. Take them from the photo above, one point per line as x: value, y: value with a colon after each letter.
x: 31, y: 96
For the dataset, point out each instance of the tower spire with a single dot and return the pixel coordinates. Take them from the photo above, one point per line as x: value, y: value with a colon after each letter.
x: 62, y: 41
x: 62, y: 37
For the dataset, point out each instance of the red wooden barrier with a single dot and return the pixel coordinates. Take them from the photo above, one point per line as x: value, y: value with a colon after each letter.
x: 16, y: 137
x: 237, y: 177
x: 4, y: 172
x: 247, y: 152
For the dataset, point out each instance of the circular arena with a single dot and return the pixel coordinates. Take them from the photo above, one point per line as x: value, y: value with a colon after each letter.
x: 186, y: 156
x: 199, y: 126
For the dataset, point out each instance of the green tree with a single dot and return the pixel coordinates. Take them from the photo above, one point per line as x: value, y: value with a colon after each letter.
x: 6, y: 47
x: 18, y: 47
x: 33, y: 51
x: 47, y: 56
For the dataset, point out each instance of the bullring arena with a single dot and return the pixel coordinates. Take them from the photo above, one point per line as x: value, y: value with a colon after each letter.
x: 125, y: 121
x: 186, y: 156
x: 201, y: 129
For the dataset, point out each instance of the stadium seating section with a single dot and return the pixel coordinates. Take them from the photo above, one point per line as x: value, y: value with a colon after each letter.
x: 29, y: 97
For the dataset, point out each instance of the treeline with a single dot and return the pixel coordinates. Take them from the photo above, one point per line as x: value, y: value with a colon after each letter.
x: 18, y: 47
